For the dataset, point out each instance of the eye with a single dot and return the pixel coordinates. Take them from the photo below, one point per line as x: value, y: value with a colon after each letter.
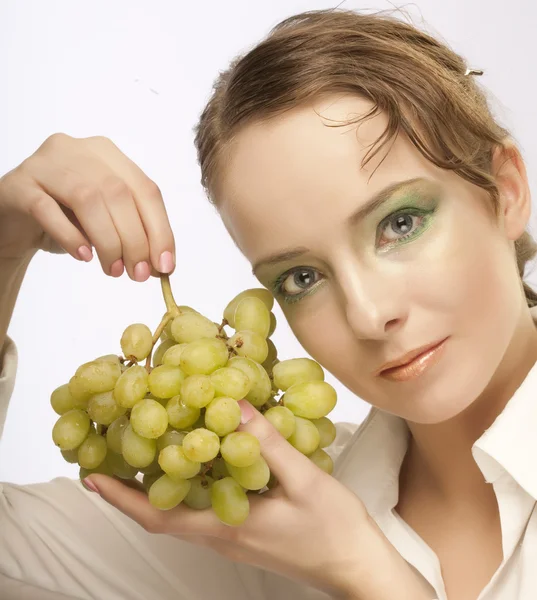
x: 401, y: 226
x: 300, y: 280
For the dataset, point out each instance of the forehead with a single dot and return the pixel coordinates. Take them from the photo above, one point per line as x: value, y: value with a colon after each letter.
x: 293, y: 179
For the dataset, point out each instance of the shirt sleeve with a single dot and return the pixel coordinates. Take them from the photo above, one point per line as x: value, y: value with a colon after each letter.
x: 8, y: 369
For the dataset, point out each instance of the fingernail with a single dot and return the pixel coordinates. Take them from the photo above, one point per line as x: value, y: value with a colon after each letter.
x: 117, y: 268
x: 85, y: 253
x: 141, y: 271
x: 165, y: 263
x: 247, y: 411
x: 90, y: 485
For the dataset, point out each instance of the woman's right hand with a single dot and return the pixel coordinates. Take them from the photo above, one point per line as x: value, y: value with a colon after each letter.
x: 73, y: 195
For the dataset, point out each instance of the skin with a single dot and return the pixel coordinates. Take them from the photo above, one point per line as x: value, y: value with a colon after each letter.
x: 84, y: 195
x: 292, y: 182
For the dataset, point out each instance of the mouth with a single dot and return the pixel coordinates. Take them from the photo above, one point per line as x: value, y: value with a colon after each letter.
x: 413, y: 363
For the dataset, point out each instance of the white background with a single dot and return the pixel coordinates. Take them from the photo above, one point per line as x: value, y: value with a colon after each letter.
x: 140, y: 73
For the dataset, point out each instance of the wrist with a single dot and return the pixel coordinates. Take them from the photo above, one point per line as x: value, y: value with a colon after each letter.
x: 382, y: 574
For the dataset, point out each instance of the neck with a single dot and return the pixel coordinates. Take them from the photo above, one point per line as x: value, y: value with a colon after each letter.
x: 439, y: 460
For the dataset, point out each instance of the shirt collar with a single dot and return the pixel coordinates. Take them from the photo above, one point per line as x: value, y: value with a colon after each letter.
x: 371, y: 461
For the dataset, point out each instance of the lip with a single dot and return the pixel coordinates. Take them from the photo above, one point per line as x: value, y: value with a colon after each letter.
x: 414, y: 363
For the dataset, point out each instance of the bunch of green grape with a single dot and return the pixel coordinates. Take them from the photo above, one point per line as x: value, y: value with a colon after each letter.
x: 173, y: 421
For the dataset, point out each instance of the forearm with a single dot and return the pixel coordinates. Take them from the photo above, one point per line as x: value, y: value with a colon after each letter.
x: 12, y: 271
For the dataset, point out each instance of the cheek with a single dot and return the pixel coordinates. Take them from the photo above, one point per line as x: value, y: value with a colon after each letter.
x: 468, y: 278
x: 324, y: 334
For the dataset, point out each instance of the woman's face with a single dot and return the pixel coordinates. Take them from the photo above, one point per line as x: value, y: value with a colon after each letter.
x: 361, y: 288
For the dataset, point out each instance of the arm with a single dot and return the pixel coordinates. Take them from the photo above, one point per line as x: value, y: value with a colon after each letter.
x: 12, y: 271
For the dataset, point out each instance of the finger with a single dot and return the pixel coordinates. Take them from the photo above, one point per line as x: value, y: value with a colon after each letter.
x: 135, y: 504
x: 289, y: 466
x: 126, y: 219
x: 149, y: 202
x: 44, y: 209
x: 81, y: 194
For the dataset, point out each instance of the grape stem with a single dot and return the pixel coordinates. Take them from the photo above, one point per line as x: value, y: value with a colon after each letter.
x: 172, y: 310
x: 171, y: 305
x: 165, y: 320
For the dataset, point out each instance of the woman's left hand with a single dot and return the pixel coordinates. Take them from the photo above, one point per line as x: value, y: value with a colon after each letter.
x: 310, y: 528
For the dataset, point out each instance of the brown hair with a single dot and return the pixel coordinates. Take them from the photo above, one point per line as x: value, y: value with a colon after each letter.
x: 420, y: 83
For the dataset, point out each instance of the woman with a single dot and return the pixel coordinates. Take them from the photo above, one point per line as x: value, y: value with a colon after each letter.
x: 355, y: 163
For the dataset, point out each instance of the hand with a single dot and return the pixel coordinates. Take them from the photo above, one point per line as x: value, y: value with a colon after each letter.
x: 73, y: 195
x: 310, y: 528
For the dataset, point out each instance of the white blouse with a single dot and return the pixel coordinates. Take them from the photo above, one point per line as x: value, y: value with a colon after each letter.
x: 59, y: 541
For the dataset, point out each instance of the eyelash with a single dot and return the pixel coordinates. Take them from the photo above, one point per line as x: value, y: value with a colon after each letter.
x: 277, y: 286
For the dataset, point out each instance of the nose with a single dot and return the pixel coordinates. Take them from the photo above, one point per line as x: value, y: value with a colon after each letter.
x: 375, y: 302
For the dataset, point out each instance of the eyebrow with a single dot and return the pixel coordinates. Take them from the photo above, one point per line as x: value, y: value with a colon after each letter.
x: 357, y: 216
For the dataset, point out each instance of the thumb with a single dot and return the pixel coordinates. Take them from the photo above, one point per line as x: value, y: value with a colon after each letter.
x: 291, y: 467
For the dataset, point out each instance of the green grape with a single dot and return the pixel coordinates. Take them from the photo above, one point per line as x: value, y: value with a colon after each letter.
x: 132, y: 386
x: 197, y: 390
x: 322, y: 460
x: 152, y: 467
x: 240, y: 449
x: 249, y: 344
x: 160, y: 351
x: 282, y: 419
x: 137, y: 451
x: 71, y: 429
x: 103, y: 469
x: 261, y: 386
x: 230, y: 382
x: 103, y: 409
x: 191, y: 326
x: 111, y: 358
x: 199, y: 496
x: 120, y: 467
x: 296, y: 370
x: 229, y: 501
x: 219, y: 468
x: 78, y: 392
x: 137, y: 341
x: 253, y: 477
x: 272, y: 357
x: 149, y: 479
x: 311, y: 399
x: 170, y: 438
x: 273, y: 324
x: 264, y: 295
x: 167, y: 332
x: 92, y: 451
x: 114, y: 433
x: 62, y: 401
x: 166, y: 493
x: 165, y: 381
x: 305, y: 438
x: 180, y: 415
x: 251, y: 314
x: 173, y: 462
x: 71, y: 456
x: 149, y: 419
x: 327, y: 431
x: 172, y: 356
x: 98, y: 376
x: 201, y: 445
x: 204, y: 356
x: 223, y: 415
